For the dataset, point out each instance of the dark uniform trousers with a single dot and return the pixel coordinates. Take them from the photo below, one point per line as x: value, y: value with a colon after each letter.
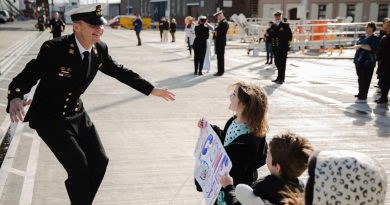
x: 200, y: 46
x: 364, y: 73
x: 76, y: 144
x: 57, y: 112
x: 280, y: 57
x: 220, y: 43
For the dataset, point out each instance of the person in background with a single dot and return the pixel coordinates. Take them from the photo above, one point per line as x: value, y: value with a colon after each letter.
x: 207, y: 58
x: 384, y: 64
x: 165, y: 30
x: 281, y: 37
x: 190, y: 33
x: 161, y: 27
x: 137, y: 23
x: 244, y: 135
x: 220, y: 41
x: 268, y: 43
x: 287, y: 159
x: 172, y: 29
x: 381, y: 34
x: 365, y: 61
x: 57, y: 25
x: 200, y: 44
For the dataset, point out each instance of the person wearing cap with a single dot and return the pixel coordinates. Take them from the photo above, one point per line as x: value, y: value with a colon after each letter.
x: 281, y: 35
x: 220, y: 41
x: 200, y: 44
x: 57, y: 25
x: 65, y: 67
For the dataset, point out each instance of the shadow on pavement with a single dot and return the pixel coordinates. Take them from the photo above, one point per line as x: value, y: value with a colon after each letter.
x: 382, y: 116
x: 183, y: 81
x: 361, y: 112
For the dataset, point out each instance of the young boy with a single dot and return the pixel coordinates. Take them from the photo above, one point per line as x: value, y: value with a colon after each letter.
x: 287, y: 159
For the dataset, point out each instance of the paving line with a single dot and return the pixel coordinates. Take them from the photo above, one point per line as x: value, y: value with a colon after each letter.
x: 26, y: 195
x: 16, y: 45
x: 9, y: 157
x: 10, y: 61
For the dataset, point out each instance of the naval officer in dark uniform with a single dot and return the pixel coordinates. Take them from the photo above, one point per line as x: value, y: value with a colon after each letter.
x: 281, y: 36
x: 220, y: 41
x: 200, y: 44
x: 57, y: 25
x: 65, y: 67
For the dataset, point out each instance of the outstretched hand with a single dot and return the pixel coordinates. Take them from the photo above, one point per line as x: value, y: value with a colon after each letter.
x: 164, y: 93
x: 16, y: 109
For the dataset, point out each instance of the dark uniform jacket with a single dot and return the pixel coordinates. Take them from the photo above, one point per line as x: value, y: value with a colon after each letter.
x: 247, y: 153
x: 384, y: 60
x: 281, y: 35
x: 220, y: 33
x: 57, y: 26
x: 201, y: 36
x: 62, y: 79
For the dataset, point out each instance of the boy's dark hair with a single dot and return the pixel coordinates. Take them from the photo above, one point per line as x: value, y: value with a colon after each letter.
x: 291, y: 152
x: 372, y: 25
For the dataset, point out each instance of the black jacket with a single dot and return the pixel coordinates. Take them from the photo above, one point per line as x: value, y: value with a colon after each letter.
x: 58, y: 66
x: 57, y: 26
x: 220, y: 33
x: 281, y: 35
x: 247, y: 153
x: 201, y: 36
x: 172, y: 27
x: 384, y: 60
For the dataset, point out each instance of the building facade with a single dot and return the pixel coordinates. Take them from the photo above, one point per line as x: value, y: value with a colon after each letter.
x: 179, y: 9
x: 359, y: 10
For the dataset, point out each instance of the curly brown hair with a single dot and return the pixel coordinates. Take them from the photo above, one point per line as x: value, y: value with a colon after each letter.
x: 291, y: 152
x: 254, y: 100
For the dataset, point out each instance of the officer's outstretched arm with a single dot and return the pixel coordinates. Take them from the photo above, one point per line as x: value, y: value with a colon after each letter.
x: 32, y: 72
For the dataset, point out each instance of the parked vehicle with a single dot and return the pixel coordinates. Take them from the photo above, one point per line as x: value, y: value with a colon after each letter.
x: 5, y: 16
x: 126, y: 21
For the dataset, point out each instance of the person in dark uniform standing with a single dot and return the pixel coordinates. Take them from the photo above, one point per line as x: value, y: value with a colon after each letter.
x: 200, y: 44
x: 281, y: 35
x: 220, y: 41
x: 65, y: 67
x: 57, y: 25
x: 384, y: 64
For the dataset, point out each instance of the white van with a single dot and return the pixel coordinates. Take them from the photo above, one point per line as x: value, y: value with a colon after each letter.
x: 4, y: 16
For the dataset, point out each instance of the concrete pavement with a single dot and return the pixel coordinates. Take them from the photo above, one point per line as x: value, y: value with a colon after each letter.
x: 150, y: 142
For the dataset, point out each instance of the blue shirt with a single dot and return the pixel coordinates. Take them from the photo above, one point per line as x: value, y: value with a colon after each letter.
x: 137, y: 23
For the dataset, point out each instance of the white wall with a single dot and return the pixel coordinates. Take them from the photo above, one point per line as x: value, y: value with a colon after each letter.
x: 342, y: 10
x: 314, y: 11
x: 329, y: 11
x: 268, y: 10
x: 359, y: 13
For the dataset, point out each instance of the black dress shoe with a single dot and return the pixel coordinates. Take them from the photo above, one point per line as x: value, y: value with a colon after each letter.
x: 200, y: 74
x: 280, y: 82
x: 218, y: 74
x: 381, y: 101
x: 276, y: 80
x: 356, y: 96
x: 195, y: 73
x: 266, y: 63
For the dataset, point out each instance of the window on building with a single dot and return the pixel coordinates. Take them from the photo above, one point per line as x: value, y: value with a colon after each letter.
x: 253, y: 8
x: 383, y: 11
x: 321, y: 11
x: 351, y: 11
